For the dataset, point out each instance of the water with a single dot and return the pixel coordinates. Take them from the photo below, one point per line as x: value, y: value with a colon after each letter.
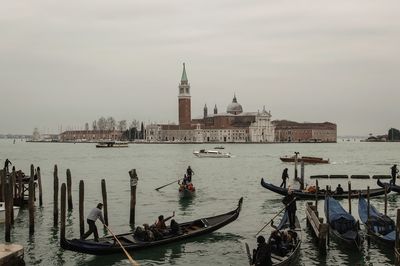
x: 219, y: 183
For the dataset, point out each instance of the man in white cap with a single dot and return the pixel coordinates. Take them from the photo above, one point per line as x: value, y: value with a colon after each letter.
x: 94, y: 214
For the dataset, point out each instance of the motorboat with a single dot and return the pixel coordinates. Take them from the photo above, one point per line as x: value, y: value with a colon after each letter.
x: 211, y: 154
x: 112, y: 144
x: 3, y: 212
x: 305, y: 159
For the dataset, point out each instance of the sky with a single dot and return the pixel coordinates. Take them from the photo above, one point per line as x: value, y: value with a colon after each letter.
x: 65, y: 63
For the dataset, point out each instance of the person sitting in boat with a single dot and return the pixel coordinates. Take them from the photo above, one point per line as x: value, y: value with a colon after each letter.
x: 148, y: 233
x: 311, y: 189
x: 160, y: 223
x: 262, y: 255
x: 339, y: 190
x: 175, y: 228
x: 189, y: 173
x: 185, y: 180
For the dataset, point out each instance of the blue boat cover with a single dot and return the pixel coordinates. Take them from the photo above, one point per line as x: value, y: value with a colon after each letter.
x: 336, y: 211
x: 380, y: 223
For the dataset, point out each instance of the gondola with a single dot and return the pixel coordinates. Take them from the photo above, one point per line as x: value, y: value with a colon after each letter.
x: 300, y: 194
x: 107, y: 245
x: 381, y: 227
x: 187, y: 192
x: 342, y: 224
x: 394, y: 188
x: 291, y: 254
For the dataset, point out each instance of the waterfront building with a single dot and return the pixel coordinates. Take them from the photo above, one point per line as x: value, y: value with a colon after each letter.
x: 290, y: 131
x: 90, y: 135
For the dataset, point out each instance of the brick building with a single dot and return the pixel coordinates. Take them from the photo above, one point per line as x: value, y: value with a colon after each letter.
x: 90, y: 135
x: 289, y: 131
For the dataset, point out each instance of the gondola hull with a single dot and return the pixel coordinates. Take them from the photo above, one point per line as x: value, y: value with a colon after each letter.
x: 186, y: 193
x: 321, y: 194
x: 394, y: 188
x: 108, y: 245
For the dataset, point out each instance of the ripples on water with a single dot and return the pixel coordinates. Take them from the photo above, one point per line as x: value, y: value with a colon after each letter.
x: 219, y: 183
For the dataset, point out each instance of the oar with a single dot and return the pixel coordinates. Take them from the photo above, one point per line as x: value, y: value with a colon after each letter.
x: 275, y: 216
x: 167, y: 184
x: 132, y: 261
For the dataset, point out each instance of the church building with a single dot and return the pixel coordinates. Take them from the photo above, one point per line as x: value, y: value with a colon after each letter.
x: 234, y: 125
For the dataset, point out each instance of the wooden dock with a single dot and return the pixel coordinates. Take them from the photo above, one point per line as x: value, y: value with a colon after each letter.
x: 11, y: 254
x: 318, y: 226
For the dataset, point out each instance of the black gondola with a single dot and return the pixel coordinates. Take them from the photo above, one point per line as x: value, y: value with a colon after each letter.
x: 392, y: 187
x: 381, y: 227
x: 321, y: 194
x: 342, y: 224
x: 287, y: 253
x: 108, y: 245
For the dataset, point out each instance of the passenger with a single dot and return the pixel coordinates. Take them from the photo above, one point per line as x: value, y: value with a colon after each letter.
x: 149, y: 235
x: 175, y: 229
x: 185, y: 180
x: 140, y: 233
x: 262, y: 255
x: 189, y: 173
x: 311, y: 189
x: 339, y: 190
x: 160, y: 223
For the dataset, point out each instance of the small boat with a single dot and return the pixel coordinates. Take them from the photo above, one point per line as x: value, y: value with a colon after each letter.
x: 394, y: 188
x: 219, y: 147
x: 112, y: 144
x: 301, y: 194
x: 287, y: 258
x: 3, y: 212
x: 305, y: 159
x: 107, y: 245
x: 211, y: 154
x: 187, y: 191
x: 342, y: 224
x: 380, y: 226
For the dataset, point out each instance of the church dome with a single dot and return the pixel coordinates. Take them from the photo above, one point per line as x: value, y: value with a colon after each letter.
x: 234, y: 107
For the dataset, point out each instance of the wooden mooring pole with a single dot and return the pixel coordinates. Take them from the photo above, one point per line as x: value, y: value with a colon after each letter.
x: 302, y: 175
x: 31, y: 201
x: 55, y: 198
x: 63, y: 211
x: 13, y: 193
x: 69, y: 191
x: 133, y: 182
x: 385, y: 200
x: 39, y: 176
x: 7, y: 203
x: 81, y: 207
x: 104, y: 193
x: 295, y: 165
x: 397, y: 243
x: 349, y: 187
x: 20, y: 191
x: 316, y: 194
x: 328, y: 238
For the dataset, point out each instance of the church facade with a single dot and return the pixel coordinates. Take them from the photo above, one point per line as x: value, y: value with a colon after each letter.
x: 234, y: 125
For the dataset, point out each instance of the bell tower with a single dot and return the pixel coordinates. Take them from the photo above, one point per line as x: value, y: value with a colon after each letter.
x: 184, y: 101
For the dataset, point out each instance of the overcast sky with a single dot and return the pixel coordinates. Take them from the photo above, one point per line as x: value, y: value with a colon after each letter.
x: 70, y: 62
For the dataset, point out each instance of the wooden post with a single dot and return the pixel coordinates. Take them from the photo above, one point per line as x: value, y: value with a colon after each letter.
x: 327, y: 216
x: 69, y: 184
x: 6, y: 195
x: 385, y: 200
x: 349, y: 187
x: 295, y: 165
x: 63, y: 211
x: 104, y: 193
x: 397, y: 243
x: 40, y: 186
x: 31, y: 202
x: 12, y: 194
x: 368, y: 205
x: 133, y: 182
x: 20, y: 191
x: 81, y: 207
x: 316, y: 194
x: 302, y: 175
x: 55, y: 199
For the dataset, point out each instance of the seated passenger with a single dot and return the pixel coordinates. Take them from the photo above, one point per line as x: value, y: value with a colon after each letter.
x: 160, y: 223
x: 339, y: 190
x: 175, y: 229
x: 148, y: 233
x: 140, y: 233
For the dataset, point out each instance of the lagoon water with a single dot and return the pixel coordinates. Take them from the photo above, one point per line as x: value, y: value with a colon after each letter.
x: 219, y: 183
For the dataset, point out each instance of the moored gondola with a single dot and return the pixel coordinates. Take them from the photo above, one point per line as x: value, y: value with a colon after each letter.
x: 380, y: 226
x: 300, y: 194
x: 108, y: 245
x: 342, y: 224
x: 394, y: 188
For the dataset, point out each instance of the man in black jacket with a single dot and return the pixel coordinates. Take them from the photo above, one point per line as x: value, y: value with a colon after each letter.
x: 290, y: 202
x: 262, y: 255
